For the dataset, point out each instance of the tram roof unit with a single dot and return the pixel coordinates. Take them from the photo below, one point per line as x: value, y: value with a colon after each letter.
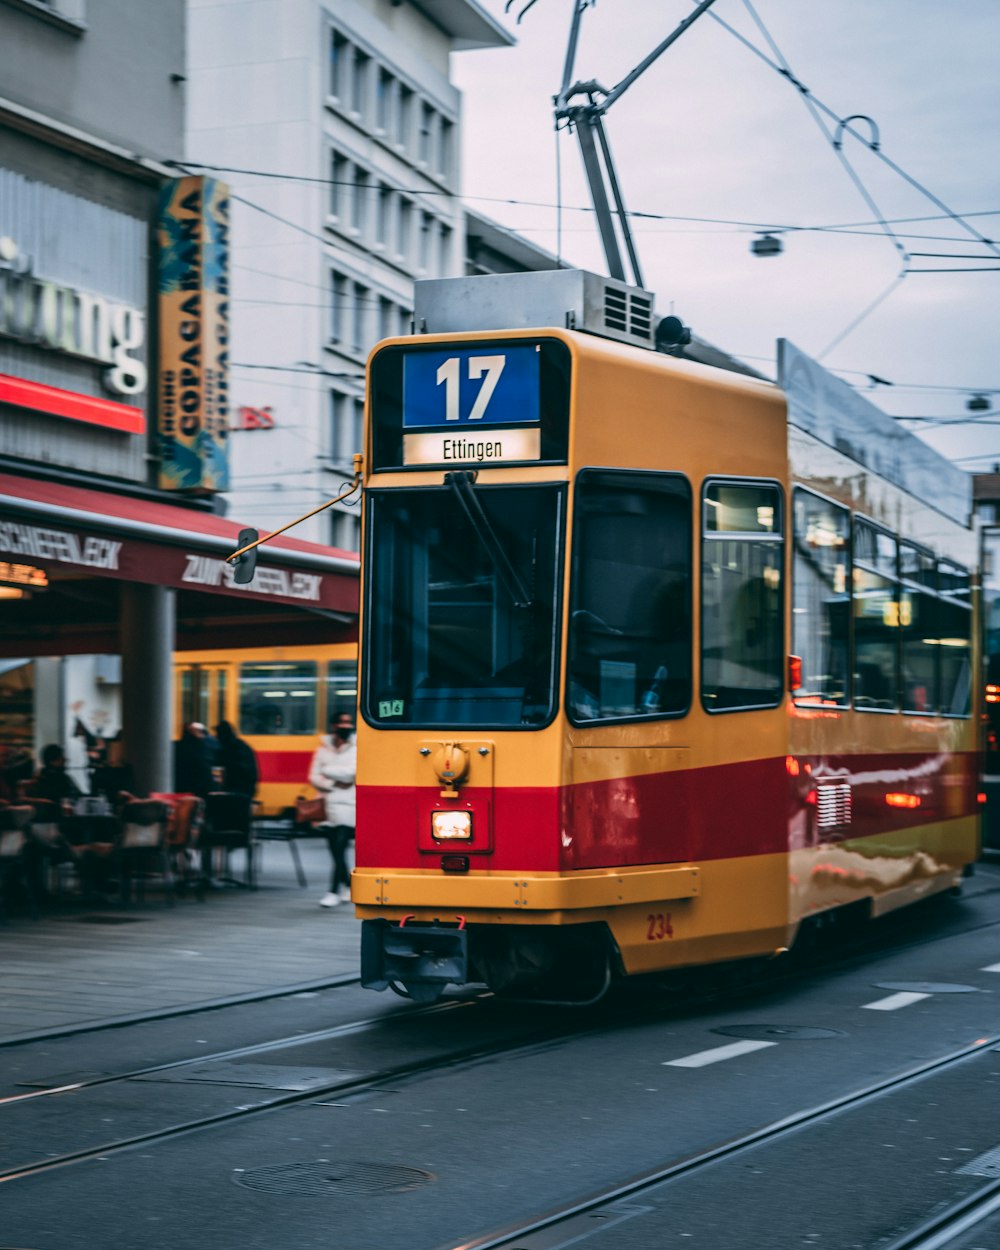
x: 819, y: 403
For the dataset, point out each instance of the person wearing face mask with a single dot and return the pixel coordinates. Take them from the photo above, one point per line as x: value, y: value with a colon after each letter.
x: 332, y: 774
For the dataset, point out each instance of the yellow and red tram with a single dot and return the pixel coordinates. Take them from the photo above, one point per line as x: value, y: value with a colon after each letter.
x: 651, y: 672
x: 279, y: 699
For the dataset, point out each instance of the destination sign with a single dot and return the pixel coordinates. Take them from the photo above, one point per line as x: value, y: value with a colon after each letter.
x: 465, y: 447
x: 470, y: 387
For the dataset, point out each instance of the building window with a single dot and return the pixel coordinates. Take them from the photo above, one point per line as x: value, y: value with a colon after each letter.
x: 339, y: 188
x: 346, y: 422
x: 405, y: 228
x: 426, y: 134
x: 346, y: 535
x: 359, y: 318
x: 426, y: 235
x: 384, y: 86
x: 359, y: 200
x: 444, y: 257
x: 742, y: 654
x: 339, y: 65
x: 383, y: 216
x: 630, y: 601
x: 338, y: 292
x: 359, y: 82
x: 821, y: 599
x: 405, y: 321
x: 404, y: 116
x: 386, y: 318
x: 446, y: 150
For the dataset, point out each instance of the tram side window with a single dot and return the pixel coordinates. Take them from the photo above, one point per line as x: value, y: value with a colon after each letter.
x: 954, y: 639
x: 918, y: 612
x: 630, y: 603
x: 876, y: 619
x: 742, y: 652
x: 341, y: 687
x: 278, y: 698
x: 821, y: 606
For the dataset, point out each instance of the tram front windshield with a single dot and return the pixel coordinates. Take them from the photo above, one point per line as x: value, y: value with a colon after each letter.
x: 462, y: 606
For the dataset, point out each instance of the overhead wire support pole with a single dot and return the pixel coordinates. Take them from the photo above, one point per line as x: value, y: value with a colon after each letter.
x: 587, y: 118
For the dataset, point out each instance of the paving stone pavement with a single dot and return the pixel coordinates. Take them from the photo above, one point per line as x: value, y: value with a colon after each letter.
x: 80, y: 964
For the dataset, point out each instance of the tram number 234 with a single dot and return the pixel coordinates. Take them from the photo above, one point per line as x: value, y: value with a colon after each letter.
x: 659, y: 927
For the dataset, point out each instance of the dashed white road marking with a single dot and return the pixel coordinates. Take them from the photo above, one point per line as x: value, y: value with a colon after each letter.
x: 705, y: 1057
x: 991, y: 968
x: 895, y: 1001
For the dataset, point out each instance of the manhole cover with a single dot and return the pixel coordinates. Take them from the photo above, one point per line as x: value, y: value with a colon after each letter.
x: 100, y: 919
x: 779, y: 1032
x: 925, y: 987
x: 257, y: 1075
x: 335, y: 1177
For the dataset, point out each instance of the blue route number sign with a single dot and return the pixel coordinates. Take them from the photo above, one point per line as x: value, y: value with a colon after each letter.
x: 474, y: 387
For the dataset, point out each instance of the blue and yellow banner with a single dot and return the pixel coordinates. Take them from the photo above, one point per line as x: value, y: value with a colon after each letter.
x: 193, y: 408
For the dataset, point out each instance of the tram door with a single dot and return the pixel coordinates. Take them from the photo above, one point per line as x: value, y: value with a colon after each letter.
x: 990, y: 565
x: 200, y: 694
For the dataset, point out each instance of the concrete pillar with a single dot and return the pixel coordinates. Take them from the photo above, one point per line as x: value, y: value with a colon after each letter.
x: 147, y: 645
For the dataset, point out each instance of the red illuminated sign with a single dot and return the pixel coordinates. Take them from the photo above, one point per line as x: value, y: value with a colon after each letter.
x: 59, y: 403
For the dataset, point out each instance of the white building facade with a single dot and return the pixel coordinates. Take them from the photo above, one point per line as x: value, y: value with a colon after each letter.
x: 338, y: 129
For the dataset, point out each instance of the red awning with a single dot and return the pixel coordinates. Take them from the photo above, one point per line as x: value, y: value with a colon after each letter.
x: 104, y: 534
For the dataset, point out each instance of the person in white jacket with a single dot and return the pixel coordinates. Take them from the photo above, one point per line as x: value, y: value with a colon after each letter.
x: 332, y: 774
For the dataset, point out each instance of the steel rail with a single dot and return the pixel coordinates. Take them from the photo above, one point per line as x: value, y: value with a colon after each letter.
x: 954, y: 1221
x: 186, y: 1009
x: 352, y: 1086
x: 239, y: 1052
x: 536, y: 1234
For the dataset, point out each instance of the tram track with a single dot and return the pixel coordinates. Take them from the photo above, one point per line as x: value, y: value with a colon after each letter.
x: 611, y: 1206
x: 352, y: 1085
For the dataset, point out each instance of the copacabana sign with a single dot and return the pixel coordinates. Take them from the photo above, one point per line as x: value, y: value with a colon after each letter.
x: 193, y: 410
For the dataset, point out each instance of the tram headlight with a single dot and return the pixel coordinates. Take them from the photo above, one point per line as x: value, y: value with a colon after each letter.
x: 451, y: 826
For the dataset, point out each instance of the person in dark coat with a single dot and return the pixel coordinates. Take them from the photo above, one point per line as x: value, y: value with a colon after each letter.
x: 237, y: 759
x: 194, y: 758
x: 52, y: 781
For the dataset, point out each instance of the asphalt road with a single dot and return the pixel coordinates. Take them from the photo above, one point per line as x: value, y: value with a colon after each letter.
x: 435, y: 1158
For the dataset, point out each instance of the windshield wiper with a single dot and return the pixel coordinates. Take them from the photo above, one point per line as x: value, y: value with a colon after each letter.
x: 460, y: 482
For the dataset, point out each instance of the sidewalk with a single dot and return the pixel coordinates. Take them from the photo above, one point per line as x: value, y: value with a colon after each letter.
x: 77, y: 965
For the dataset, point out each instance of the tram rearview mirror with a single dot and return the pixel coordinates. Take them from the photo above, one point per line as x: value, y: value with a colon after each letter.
x: 245, y: 566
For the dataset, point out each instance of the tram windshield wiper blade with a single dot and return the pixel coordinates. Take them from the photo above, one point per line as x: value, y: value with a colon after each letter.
x: 460, y: 482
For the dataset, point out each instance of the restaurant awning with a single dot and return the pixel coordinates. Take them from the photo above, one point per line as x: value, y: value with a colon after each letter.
x: 77, y: 534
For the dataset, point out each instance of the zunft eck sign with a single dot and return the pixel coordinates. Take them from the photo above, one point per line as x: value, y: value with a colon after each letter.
x: 163, y: 564
x: 194, y: 335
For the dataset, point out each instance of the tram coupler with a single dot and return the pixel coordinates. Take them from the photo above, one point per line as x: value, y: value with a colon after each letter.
x: 423, y: 958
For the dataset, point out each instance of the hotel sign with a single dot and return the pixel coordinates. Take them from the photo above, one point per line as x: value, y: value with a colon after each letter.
x: 194, y: 335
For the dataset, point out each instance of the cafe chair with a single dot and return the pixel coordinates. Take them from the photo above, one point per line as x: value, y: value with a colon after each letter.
x: 16, y: 866
x: 185, y: 820
x: 56, y: 856
x: 143, y: 849
x: 229, y: 826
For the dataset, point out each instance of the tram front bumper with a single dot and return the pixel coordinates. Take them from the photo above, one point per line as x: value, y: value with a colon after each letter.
x: 512, y: 893
x: 430, y: 956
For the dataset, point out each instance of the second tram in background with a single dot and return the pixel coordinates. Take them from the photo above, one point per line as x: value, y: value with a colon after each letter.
x: 280, y: 699
x: 658, y: 661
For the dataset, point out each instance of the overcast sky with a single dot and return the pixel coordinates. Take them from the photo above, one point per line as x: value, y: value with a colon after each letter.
x: 712, y: 132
